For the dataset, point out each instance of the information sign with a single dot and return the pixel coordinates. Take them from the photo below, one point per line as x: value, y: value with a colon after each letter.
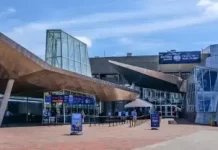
x: 155, y: 121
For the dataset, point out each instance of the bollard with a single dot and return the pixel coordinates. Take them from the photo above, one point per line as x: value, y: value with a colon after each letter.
x: 109, y: 122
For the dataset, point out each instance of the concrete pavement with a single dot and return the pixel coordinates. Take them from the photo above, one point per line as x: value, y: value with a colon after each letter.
x: 202, y: 140
x: 97, y: 137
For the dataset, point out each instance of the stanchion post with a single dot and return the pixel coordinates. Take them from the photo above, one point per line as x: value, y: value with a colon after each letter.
x: 109, y: 121
x: 130, y: 125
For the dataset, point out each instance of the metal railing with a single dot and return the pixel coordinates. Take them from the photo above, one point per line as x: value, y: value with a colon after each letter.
x: 116, y: 120
x: 93, y: 120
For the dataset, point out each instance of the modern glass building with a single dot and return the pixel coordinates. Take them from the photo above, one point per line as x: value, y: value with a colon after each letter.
x: 202, y: 94
x: 66, y: 52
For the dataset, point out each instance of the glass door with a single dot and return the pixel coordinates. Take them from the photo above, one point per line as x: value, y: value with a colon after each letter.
x: 168, y: 111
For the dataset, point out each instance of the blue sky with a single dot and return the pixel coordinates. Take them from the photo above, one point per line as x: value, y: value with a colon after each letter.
x: 143, y: 27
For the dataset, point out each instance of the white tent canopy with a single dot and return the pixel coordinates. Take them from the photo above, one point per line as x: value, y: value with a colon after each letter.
x: 138, y: 103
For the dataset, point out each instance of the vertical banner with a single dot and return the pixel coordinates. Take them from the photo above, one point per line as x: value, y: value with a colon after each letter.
x: 155, y: 121
x: 76, y: 124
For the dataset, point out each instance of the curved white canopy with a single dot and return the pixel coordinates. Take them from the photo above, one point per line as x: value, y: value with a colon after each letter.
x: 138, y: 103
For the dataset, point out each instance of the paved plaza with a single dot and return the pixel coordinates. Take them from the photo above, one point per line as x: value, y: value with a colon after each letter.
x: 97, y: 137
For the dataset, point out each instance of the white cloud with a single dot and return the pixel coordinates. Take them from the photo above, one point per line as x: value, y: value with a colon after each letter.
x: 85, y: 40
x: 7, y: 12
x: 146, y: 46
x: 210, y: 7
x: 204, y: 2
x: 32, y: 35
x: 126, y: 41
x: 11, y: 10
x: 146, y: 28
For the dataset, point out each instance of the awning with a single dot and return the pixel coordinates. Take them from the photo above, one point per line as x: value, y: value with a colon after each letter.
x: 138, y: 103
x: 33, y: 75
x: 148, y: 78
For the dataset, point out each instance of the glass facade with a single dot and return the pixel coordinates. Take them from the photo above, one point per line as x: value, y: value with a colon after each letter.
x: 157, y: 97
x: 66, y: 52
x: 202, y: 90
x: 163, y: 101
x: 23, y: 110
x: 62, y: 111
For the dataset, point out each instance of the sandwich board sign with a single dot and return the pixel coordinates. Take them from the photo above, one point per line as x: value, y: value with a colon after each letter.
x: 155, y: 121
x: 76, y: 124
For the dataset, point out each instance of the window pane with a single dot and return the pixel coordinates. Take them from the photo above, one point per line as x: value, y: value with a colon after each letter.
x: 72, y: 66
x: 199, y: 79
x: 64, y: 45
x: 56, y: 45
x: 206, y: 79
x: 65, y: 63
x: 77, y: 51
x: 83, y: 53
x: 84, y: 69
x: 71, y: 48
x: 214, y: 83
x: 78, y: 67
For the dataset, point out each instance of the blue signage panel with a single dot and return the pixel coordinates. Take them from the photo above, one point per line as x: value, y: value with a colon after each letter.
x: 57, y: 98
x: 76, y: 122
x: 179, y: 57
x: 48, y: 99
x: 83, y: 100
x: 155, y: 120
x: 70, y: 99
x: 66, y: 98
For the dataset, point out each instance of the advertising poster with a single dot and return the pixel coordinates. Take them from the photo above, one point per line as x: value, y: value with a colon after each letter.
x: 76, y: 122
x: 155, y: 120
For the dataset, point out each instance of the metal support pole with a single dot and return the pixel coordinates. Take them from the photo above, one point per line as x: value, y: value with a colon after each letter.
x: 64, y: 113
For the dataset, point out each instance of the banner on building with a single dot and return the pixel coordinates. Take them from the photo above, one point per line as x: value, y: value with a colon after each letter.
x: 179, y: 57
x: 77, y: 100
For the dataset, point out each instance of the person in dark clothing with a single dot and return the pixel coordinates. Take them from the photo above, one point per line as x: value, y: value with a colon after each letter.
x: 7, y: 116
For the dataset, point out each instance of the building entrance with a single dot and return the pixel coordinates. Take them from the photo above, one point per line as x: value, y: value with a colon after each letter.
x: 58, y: 107
x: 166, y: 110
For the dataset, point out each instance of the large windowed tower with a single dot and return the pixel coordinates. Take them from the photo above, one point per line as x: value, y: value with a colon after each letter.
x: 66, y: 52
